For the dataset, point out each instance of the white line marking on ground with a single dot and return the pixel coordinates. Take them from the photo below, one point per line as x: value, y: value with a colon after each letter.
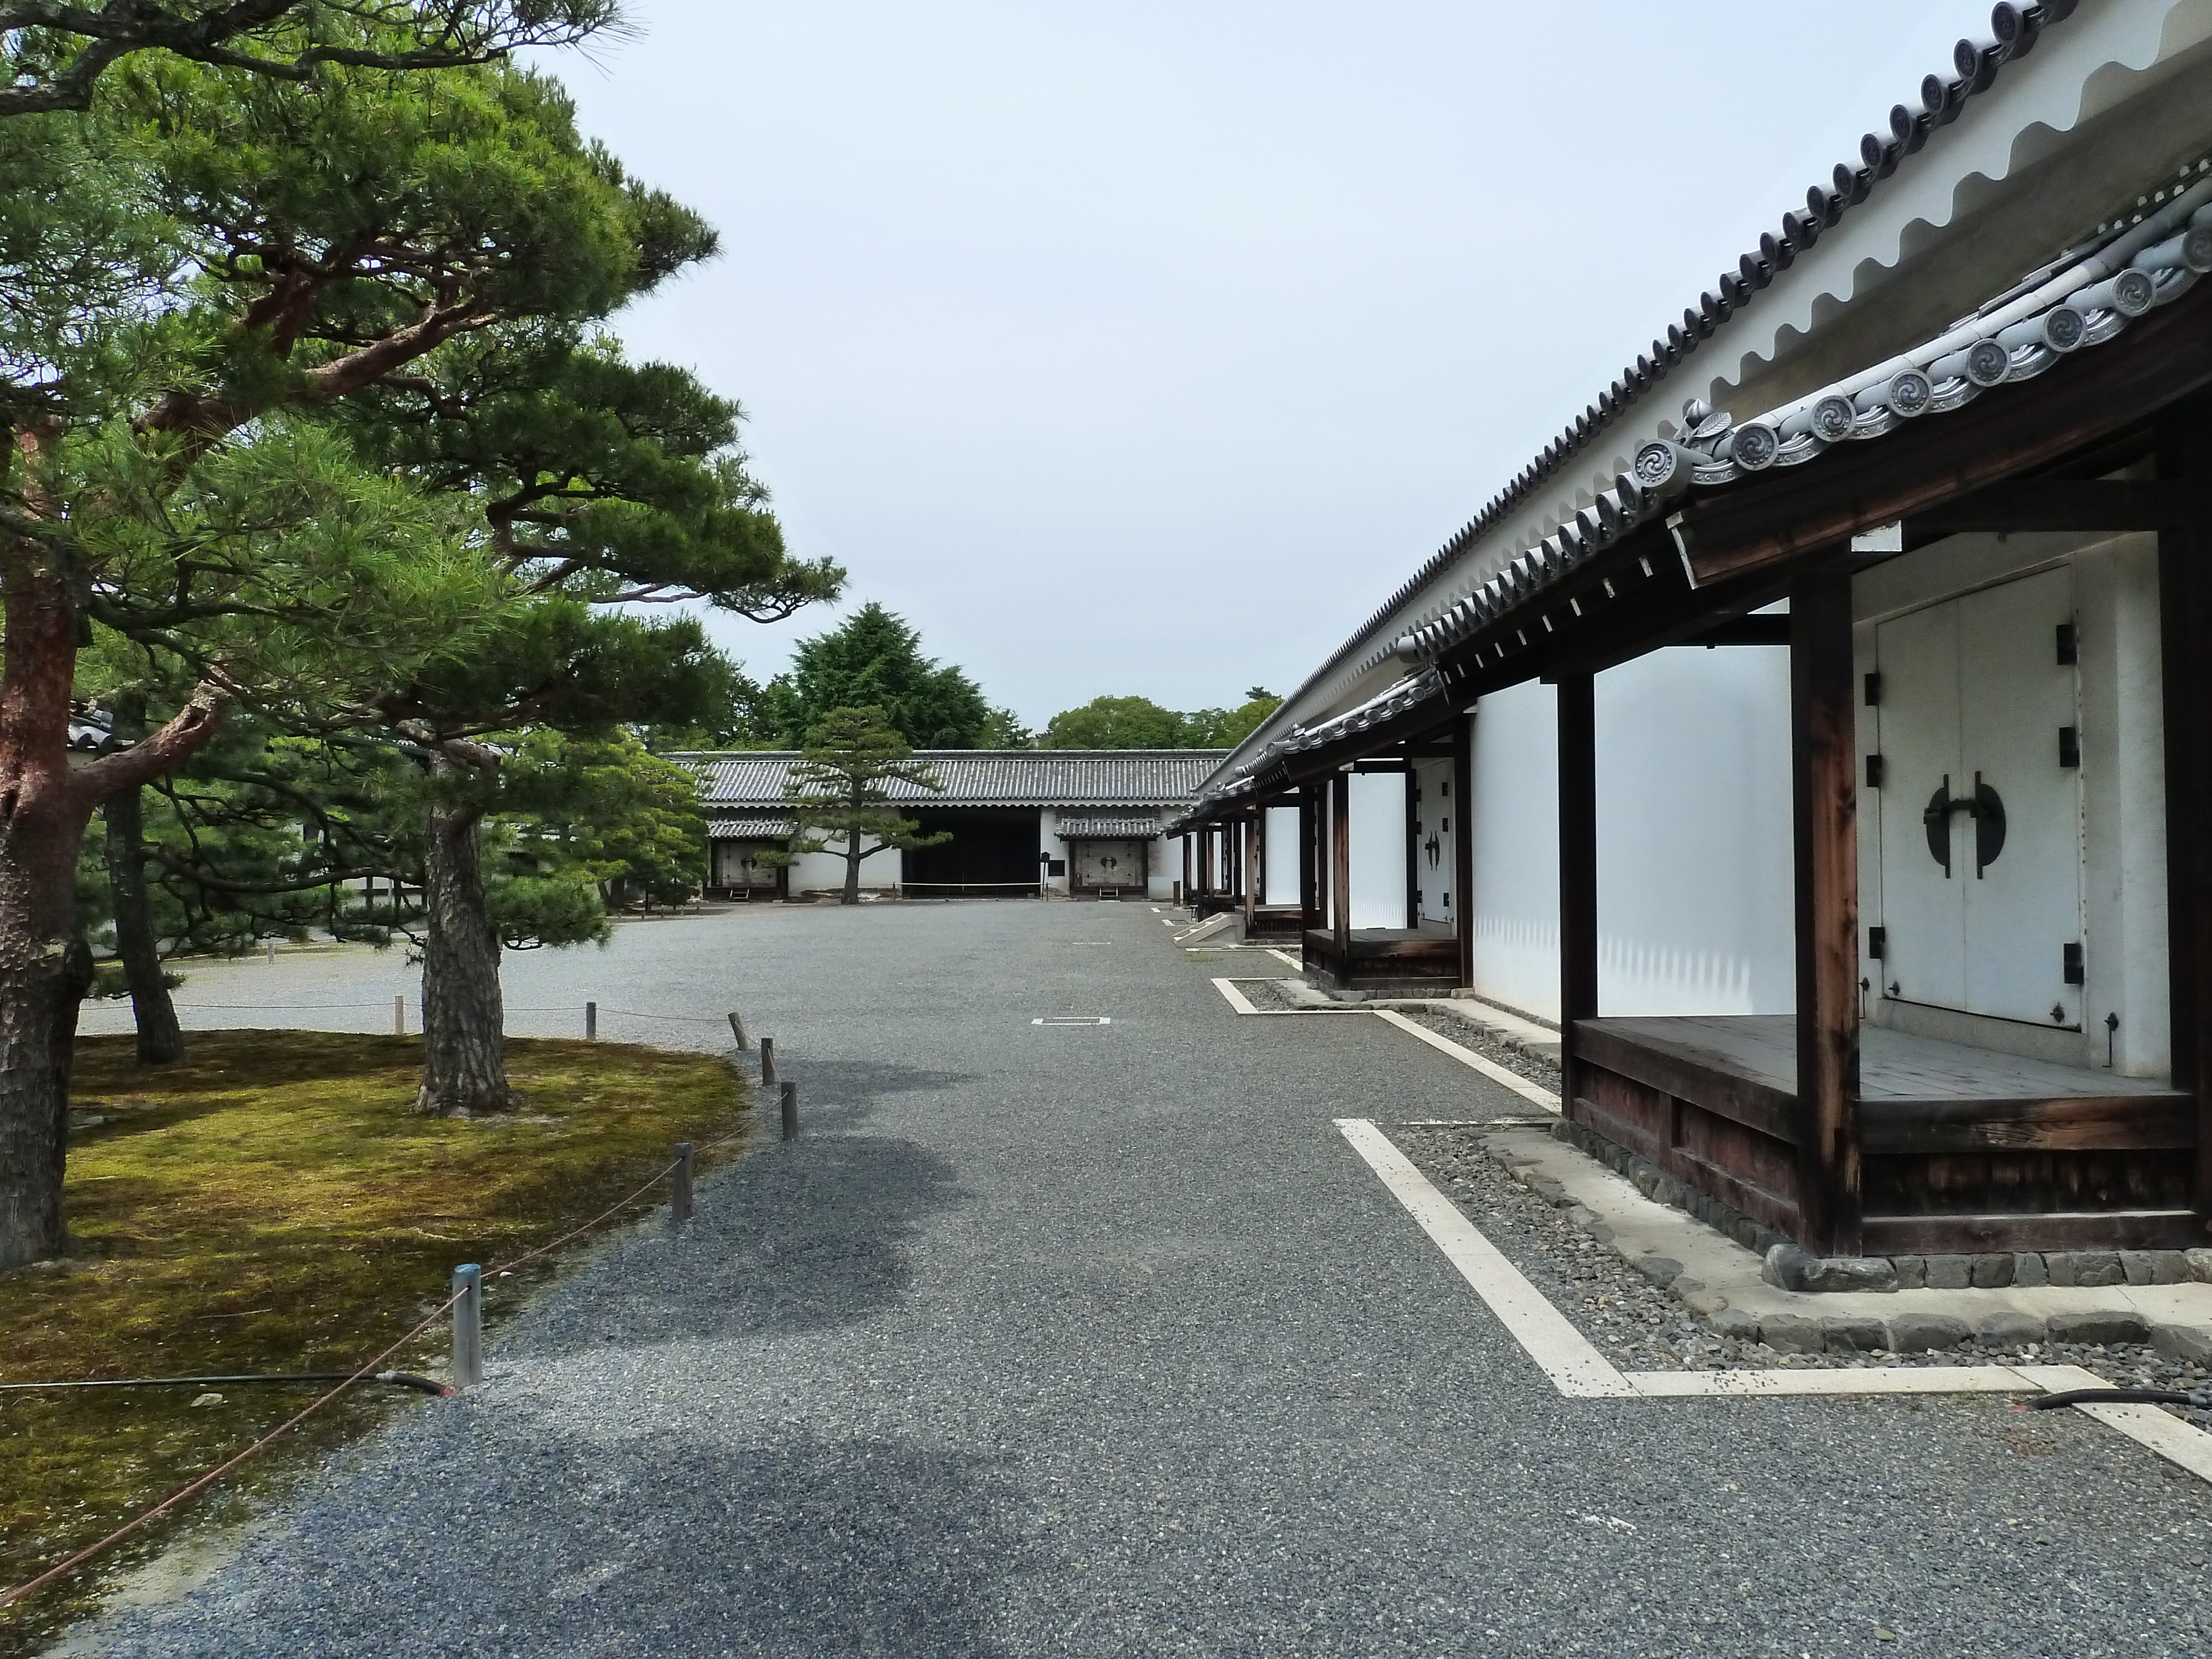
x: 1490, y: 1068
x: 1286, y: 958
x: 1576, y: 1367
x: 2147, y: 1425
x: 1579, y: 1371
x: 1832, y: 1380
x: 1073, y: 1019
x: 1237, y: 1000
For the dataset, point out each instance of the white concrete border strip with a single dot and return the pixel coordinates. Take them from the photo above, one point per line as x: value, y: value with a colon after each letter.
x: 1579, y: 1370
x: 1830, y: 1380
x: 2147, y: 1425
x: 1242, y: 1003
x: 1568, y: 1357
x: 1490, y: 1068
x: 1237, y: 1000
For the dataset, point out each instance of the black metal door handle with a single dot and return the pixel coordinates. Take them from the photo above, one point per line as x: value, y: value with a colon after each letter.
x: 1988, y: 826
x: 1986, y: 806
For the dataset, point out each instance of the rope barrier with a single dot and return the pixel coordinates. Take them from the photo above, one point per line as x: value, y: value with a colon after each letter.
x: 352, y: 1380
x: 194, y: 1488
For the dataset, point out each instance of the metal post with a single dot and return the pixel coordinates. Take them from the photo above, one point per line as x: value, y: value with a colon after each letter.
x: 679, y: 1186
x: 400, y: 1016
x: 272, y: 953
x: 738, y: 1031
x: 468, y: 1326
x: 790, y: 1093
x: 768, y: 1059
x: 590, y: 1022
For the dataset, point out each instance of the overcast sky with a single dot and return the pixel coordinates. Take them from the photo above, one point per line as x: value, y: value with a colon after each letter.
x: 1144, y: 348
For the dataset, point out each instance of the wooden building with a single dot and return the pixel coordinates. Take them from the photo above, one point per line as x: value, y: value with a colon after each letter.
x: 1817, y: 729
x: 1084, y: 824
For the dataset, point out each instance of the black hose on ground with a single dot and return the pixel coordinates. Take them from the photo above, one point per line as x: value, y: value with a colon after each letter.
x: 397, y: 1379
x: 2198, y: 1399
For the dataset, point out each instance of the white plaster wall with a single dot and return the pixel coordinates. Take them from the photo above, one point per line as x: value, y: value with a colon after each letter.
x: 1378, y: 849
x: 1694, y: 880
x: 824, y: 872
x: 1048, y: 841
x: 1280, y: 850
x: 1696, y: 892
x: 2124, y: 775
x: 1514, y: 817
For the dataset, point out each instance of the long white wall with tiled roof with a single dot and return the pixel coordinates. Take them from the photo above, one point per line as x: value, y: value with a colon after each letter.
x: 982, y: 777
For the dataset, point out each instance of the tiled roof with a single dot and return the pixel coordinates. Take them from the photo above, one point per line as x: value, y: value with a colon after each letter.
x: 1975, y: 67
x: 750, y: 825
x: 1417, y: 688
x: 2148, y: 255
x: 984, y: 777
x: 1100, y: 828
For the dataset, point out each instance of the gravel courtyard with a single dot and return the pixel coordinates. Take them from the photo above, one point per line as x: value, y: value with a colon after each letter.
x: 1101, y: 1341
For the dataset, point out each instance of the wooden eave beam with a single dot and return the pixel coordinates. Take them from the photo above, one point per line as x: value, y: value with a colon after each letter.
x: 1766, y: 523
x: 2031, y: 504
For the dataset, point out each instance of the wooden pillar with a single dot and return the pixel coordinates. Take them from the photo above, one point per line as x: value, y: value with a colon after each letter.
x: 1251, y: 871
x: 1309, y: 826
x: 1824, y: 788
x: 1577, y: 871
x: 1186, y: 866
x: 1461, y: 810
x: 1339, y: 858
x: 1412, y: 850
x: 2185, y: 601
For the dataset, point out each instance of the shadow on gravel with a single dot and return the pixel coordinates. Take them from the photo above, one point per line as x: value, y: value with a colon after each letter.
x: 665, y: 1545
x: 792, y: 1239
x: 836, y: 1095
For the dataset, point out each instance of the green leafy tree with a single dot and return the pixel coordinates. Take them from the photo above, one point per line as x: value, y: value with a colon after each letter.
x: 169, y: 472
x: 838, y: 797
x: 1140, y: 723
x: 1224, y: 728
x: 873, y: 659
x: 1003, y: 729
x: 1115, y: 723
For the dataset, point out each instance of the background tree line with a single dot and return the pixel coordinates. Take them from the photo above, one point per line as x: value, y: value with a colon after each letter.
x: 874, y: 660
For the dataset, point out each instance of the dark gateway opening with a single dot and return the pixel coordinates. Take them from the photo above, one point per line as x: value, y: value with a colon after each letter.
x: 992, y: 855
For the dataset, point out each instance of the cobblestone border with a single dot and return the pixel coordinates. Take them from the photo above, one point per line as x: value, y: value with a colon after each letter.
x: 1788, y: 1267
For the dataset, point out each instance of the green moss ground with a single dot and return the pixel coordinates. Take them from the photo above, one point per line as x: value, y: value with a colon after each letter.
x: 275, y: 1204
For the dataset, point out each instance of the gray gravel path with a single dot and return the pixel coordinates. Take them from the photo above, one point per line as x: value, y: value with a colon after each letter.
x: 1102, y: 1341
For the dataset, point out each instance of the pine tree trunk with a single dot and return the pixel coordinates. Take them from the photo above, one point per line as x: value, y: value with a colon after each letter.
x: 853, y: 856
x: 46, y: 968
x: 464, y: 1017
x: 160, y: 1039
x: 45, y: 975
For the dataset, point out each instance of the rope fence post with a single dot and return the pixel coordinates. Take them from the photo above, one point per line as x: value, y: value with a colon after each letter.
x: 768, y: 1059
x: 789, y: 1092
x: 399, y: 1015
x: 590, y: 1022
x: 738, y: 1031
x: 468, y: 1325
x: 679, y: 1186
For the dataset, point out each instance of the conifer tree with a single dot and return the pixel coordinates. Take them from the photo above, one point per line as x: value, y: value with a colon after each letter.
x: 257, y: 251
x: 838, y: 797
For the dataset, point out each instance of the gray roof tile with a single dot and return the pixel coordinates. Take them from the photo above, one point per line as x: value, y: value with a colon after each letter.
x: 983, y: 777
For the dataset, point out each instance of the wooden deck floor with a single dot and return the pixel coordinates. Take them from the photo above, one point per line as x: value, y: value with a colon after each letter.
x: 1893, y: 1066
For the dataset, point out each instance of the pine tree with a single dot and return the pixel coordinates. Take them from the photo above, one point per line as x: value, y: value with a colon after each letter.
x: 837, y: 794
